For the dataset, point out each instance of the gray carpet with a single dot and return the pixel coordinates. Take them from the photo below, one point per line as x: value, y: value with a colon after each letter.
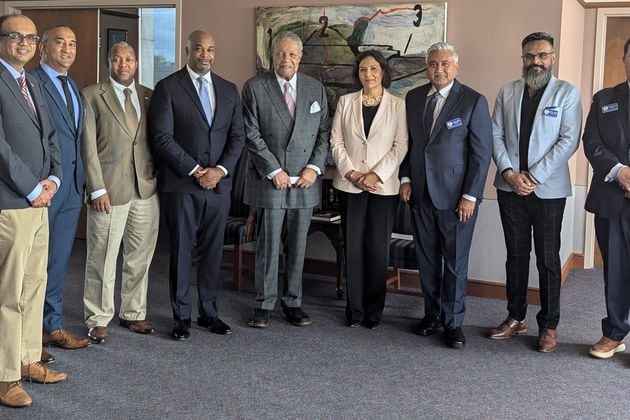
x: 330, y: 371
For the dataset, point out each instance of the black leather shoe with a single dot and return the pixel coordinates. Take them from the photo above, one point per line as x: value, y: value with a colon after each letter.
x: 214, y: 325
x: 371, y: 324
x: 455, y: 338
x: 260, y: 318
x: 181, y: 330
x: 428, y: 326
x: 296, y: 316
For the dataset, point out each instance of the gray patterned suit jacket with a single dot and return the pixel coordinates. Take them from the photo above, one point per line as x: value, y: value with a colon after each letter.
x: 274, y: 141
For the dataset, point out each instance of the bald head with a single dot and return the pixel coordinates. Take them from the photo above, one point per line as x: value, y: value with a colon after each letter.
x: 200, y: 52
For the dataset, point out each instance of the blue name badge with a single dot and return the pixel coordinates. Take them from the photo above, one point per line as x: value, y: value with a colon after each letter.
x: 610, y: 108
x: 457, y: 122
x: 551, y: 111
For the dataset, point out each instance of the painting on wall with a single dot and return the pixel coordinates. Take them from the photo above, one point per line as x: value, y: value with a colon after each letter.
x: 333, y: 36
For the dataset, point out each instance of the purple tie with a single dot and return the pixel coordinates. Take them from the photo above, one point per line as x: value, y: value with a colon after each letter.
x: 22, y: 82
x: 289, y: 99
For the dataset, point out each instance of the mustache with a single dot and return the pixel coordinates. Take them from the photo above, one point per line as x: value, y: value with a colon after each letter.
x: 533, y: 66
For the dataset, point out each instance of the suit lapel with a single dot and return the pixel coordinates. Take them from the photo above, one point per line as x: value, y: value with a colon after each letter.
x: 518, y: 101
x: 15, y: 89
x: 624, y: 97
x: 550, y: 92
x: 454, y: 96
x: 187, y: 85
x: 277, y: 100
x: 76, y: 91
x: 143, y: 100
x: 357, y: 113
x: 380, y: 115
x: 110, y: 98
x: 50, y: 87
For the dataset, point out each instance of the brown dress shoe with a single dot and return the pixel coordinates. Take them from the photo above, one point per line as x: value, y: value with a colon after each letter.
x: 98, y: 335
x: 46, y: 357
x: 507, y: 329
x: 12, y: 394
x: 37, y: 372
x: 606, y: 348
x: 547, y: 340
x: 139, y: 327
x: 65, y: 340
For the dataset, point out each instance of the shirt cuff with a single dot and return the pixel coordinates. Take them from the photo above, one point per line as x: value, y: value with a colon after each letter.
x: 315, y: 168
x: 96, y: 194
x: 469, y: 198
x: 56, y: 180
x: 225, y: 171
x: 194, y: 170
x: 404, y: 180
x: 614, y: 172
x: 35, y: 193
x: 274, y: 173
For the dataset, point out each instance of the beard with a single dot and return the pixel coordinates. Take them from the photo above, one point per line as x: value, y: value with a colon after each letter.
x: 534, y: 79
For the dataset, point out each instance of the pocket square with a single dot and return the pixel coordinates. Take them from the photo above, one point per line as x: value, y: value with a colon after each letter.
x: 315, y: 107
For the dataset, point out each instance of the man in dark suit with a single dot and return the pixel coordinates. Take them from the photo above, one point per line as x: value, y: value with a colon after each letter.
x: 196, y: 129
x: 30, y: 175
x: 443, y: 177
x: 607, y: 147
x: 287, y: 126
x: 58, y: 50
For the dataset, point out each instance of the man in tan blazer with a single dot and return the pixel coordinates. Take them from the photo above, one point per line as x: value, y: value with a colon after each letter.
x: 121, y: 187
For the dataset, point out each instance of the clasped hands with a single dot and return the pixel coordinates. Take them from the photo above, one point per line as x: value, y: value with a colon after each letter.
x: 49, y: 188
x: 208, y: 178
x: 520, y: 182
x: 623, y: 179
x: 363, y: 181
x: 282, y: 181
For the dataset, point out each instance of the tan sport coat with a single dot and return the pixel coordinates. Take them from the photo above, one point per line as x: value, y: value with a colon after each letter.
x: 382, y: 151
x: 115, y: 159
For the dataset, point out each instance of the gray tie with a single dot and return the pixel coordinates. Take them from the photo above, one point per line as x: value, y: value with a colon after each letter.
x: 205, y: 98
x: 429, y: 111
x: 131, y: 116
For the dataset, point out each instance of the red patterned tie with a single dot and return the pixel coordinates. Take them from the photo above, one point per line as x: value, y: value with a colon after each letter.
x: 22, y: 82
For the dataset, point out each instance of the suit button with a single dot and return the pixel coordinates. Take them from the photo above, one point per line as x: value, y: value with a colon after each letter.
x: 135, y: 143
x: 74, y: 162
x: 364, y: 161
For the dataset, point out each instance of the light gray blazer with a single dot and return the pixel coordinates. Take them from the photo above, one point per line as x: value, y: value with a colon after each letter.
x: 555, y: 136
x: 29, y: 151
x: 275, y: 142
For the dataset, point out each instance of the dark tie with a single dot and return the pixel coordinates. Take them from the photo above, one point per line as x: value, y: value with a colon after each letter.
x: 131, y: 116
x: 22, y: 82
x: 429, y: 110
x: 69, y: 103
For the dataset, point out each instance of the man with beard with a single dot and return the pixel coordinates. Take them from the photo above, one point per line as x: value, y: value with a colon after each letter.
x: 537, y: 122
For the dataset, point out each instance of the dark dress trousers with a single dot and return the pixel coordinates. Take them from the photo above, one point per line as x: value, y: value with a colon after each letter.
x: 182, y: 138
x: 451, y: 161
x: 606, y: 144
x: 63, y: 213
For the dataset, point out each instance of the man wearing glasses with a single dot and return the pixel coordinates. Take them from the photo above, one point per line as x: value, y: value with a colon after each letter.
x: 30, y: 174
x: 537, y: 122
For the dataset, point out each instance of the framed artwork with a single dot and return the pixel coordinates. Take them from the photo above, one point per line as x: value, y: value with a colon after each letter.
x: 333, y: 36
x: 114, y: 36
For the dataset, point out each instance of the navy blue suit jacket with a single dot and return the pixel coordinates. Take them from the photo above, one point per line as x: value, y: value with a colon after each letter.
x: 182, y: 138
x: 454, y: 160
x: 606, y: 143
x: 68, y: 137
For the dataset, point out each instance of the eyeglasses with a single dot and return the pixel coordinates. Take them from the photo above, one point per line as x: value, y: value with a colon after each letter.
x: 17, y: 37
x: 541, y: 56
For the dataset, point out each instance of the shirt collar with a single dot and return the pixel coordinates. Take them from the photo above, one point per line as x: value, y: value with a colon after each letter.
x: 16, y: 74
x: 281, y: 81
x: 443, y: 92
x: 120, y: 87
x: 194, y: 76
x: 52, y: 73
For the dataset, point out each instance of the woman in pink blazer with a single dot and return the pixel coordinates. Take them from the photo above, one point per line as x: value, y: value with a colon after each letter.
x: 368, y: 142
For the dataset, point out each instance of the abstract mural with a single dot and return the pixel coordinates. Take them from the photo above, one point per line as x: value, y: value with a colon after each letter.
x: 333, y: 36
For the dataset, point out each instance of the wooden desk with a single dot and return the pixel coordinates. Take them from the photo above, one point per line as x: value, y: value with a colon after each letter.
x: 334, y: 233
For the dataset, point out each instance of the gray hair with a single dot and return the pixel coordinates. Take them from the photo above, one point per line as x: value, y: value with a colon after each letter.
x: 286, y: 36
x: 443, y: 46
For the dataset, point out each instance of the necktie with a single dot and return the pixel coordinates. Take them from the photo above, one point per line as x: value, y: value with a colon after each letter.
x: 205, y: 98
x: 131, y: 116
x: 289, y: 99
x: 22, y: 82
x: 429, y: 111
x: 69, y: 103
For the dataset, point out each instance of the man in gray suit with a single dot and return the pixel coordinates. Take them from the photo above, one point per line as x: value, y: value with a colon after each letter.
x: 537, y: 122
x: 30, y: 174
x: 287, y: 128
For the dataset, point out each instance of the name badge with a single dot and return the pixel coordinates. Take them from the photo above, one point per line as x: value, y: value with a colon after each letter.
x: 610, y: 108
x: 551, y: 111
x: 457, y: 122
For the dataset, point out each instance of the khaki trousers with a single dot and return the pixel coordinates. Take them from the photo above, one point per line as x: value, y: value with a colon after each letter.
x: 23, y: 260
x: 135, y: 225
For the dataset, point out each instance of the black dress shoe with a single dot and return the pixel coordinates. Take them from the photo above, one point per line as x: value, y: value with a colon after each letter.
x: 296, y: 316
x: 260, y: 318
x: 214, y: 325
x: 455, y: 337
x: 371, y: 324
x: 428, y: 326
x: 181, y: 330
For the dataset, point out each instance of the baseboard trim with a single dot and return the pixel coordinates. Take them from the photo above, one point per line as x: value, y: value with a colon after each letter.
x: 410, y: 280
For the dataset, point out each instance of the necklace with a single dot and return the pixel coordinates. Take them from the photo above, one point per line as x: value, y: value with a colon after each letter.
x: 371, y: 100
